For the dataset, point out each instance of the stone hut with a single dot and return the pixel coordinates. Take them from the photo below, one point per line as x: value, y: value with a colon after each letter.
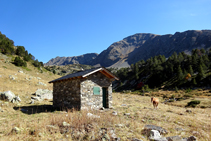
x: 89, y: 88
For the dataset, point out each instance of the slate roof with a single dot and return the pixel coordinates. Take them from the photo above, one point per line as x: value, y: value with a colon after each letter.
x: 85, y: 73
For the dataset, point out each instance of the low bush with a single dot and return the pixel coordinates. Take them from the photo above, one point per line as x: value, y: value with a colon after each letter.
x: 188, y: 90
x: 193, y: 103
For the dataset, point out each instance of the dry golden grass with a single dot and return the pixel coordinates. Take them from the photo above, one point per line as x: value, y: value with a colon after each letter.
x: 25, y: 83
x: 141, y: 111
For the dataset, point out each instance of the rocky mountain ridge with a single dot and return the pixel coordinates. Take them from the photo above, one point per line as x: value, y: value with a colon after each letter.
x: 82, y: 59
x: 142, y: 46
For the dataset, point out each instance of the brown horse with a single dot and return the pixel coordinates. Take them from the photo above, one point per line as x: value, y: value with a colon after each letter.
x: 155, y: 102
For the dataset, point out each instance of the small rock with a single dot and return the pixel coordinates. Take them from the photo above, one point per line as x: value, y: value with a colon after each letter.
x: 143, y: 120
x: 174, y: 138
x: 179, y: 129
x: 40, y: 83
x: 123, y: 105
x: 106, y: 137
x: 11, y: 77
x: 188, y: 111
x: 192, y: 138
x: 90, y: 115
x: 20, y: 71
x: 16, y: 130
x: 40, y: 134
x: 65, y: 124
x: 160, y: 139
x: 148, y: 128
x: 120, y: 125
x: 195, y: 133
x: 154, y: 134
x: 126, y: 114
x: 114, y: 113
x: 38, y: 78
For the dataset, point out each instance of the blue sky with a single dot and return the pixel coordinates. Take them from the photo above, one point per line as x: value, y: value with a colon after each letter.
x: 51, y: 28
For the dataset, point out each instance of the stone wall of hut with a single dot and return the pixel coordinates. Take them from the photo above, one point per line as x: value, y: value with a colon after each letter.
x: 88, y: 99
x: 78, y: 93
x: 66, y: 94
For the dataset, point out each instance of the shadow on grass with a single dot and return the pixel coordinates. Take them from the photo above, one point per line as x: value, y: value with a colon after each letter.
x: 35, y: 109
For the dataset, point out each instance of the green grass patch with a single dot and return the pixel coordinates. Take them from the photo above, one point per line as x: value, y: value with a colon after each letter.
x: 26, y: 68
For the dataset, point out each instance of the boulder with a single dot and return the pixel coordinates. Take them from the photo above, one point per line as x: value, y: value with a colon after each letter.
x: 9, y: 96
x: 42, y: 94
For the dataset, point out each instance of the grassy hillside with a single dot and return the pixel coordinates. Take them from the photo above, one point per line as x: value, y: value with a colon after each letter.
x: 23, y: 81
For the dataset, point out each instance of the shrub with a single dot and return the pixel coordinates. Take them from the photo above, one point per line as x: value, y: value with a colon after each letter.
x: 203, y: 107
x: 173, y: 96
x: 193, y: 103
x: 19, y: 62
x: 188, y: 90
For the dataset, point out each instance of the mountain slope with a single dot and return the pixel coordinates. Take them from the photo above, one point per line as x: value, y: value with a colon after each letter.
x: 82, y: 59
x: 120, y: 50
x: 141, y: 46
x: 167, y: 44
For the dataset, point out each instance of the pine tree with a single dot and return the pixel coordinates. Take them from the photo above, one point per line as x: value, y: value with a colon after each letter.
x: 201, y: 74
x: 194, y: 81
x: 179, y: 73
x: 190, y: 70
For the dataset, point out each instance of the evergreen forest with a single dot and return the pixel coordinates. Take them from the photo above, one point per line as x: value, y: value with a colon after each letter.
x: 178, y: 71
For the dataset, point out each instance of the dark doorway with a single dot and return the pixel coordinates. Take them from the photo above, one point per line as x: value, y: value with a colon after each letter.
x: 105, y: 97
